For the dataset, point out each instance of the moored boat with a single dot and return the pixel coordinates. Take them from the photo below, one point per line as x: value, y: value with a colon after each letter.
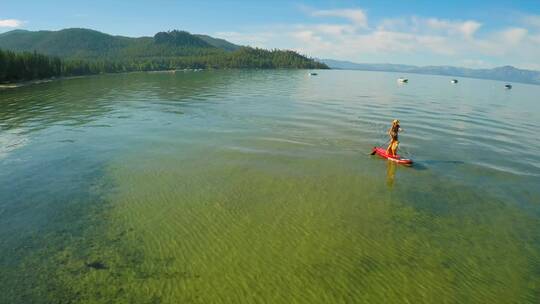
x: 402, y: 80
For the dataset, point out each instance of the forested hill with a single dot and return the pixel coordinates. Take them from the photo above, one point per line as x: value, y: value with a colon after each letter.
x: 33, y: 55
x: 166, y: 50
x: 90, y: 44
x: 219, y: 43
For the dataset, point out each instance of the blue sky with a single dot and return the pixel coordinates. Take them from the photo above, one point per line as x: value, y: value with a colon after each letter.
x: 462, y: 33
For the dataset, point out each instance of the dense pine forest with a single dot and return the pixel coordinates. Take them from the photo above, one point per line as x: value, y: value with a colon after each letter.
x: 26, y: 66
x: 73, y: 52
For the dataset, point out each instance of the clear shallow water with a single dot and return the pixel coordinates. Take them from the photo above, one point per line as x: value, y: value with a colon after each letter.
x: 256, y: 186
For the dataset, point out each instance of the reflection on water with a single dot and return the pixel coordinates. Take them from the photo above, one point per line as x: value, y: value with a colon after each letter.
x: 254, y: 186
x: 10, y: 141
x: 390, y: 173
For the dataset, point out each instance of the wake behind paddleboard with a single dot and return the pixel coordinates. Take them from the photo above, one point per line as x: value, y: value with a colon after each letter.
x: 395, y: 158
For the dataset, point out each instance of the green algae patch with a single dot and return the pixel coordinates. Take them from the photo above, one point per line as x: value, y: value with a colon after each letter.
x: 213, y: 233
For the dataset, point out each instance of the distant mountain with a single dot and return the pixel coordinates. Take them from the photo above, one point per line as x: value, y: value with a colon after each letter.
x: 505, y: 73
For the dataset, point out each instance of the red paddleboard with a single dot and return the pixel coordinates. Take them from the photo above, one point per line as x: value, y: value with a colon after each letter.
x: 395, y: 158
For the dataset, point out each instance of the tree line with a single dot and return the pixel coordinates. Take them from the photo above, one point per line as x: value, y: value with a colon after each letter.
x: 27, y: 66
x: 16, y: 67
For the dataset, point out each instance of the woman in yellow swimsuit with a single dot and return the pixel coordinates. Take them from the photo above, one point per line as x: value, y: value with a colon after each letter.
x: 394, y: 142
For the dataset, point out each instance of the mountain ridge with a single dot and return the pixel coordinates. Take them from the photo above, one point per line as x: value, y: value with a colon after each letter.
x: 503, y: 73
x: 174, y: 49
x: 88, y: 43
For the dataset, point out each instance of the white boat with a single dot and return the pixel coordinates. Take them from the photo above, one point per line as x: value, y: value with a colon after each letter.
x: 312, y: 74
x: 402, y: 80
x: 508, y: 86
x: 454, y: 81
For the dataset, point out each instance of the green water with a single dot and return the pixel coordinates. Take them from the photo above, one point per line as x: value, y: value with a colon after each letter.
x: 257, y: 187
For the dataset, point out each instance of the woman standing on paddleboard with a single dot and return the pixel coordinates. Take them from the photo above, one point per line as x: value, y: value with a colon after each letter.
x: 394, y: 143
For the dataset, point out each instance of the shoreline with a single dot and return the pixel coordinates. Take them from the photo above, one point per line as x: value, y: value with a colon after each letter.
x: 20, y: 84
x: 441, y: 75
x: 15, y: 85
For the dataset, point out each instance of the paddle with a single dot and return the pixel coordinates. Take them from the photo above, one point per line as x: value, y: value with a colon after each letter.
x: 373, y: 150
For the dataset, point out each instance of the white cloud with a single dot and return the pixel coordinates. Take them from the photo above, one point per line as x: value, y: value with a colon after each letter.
x: 10, y: 23
x: 394, y: 24
x: 431, y: 26
x: 400, y: 40
x: 334, y: 29
x: 306, y: 36
x: 436, y: 44
x: 255, y: 39
x: 466, y: 28
x: 510, y: 42
x: 513, y: 36
x: 532, y: 20
x: 475, y: 63
x: 535, y: 39
x: 356, y: 16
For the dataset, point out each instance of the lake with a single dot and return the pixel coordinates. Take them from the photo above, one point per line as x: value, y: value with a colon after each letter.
x: 258, y: 187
